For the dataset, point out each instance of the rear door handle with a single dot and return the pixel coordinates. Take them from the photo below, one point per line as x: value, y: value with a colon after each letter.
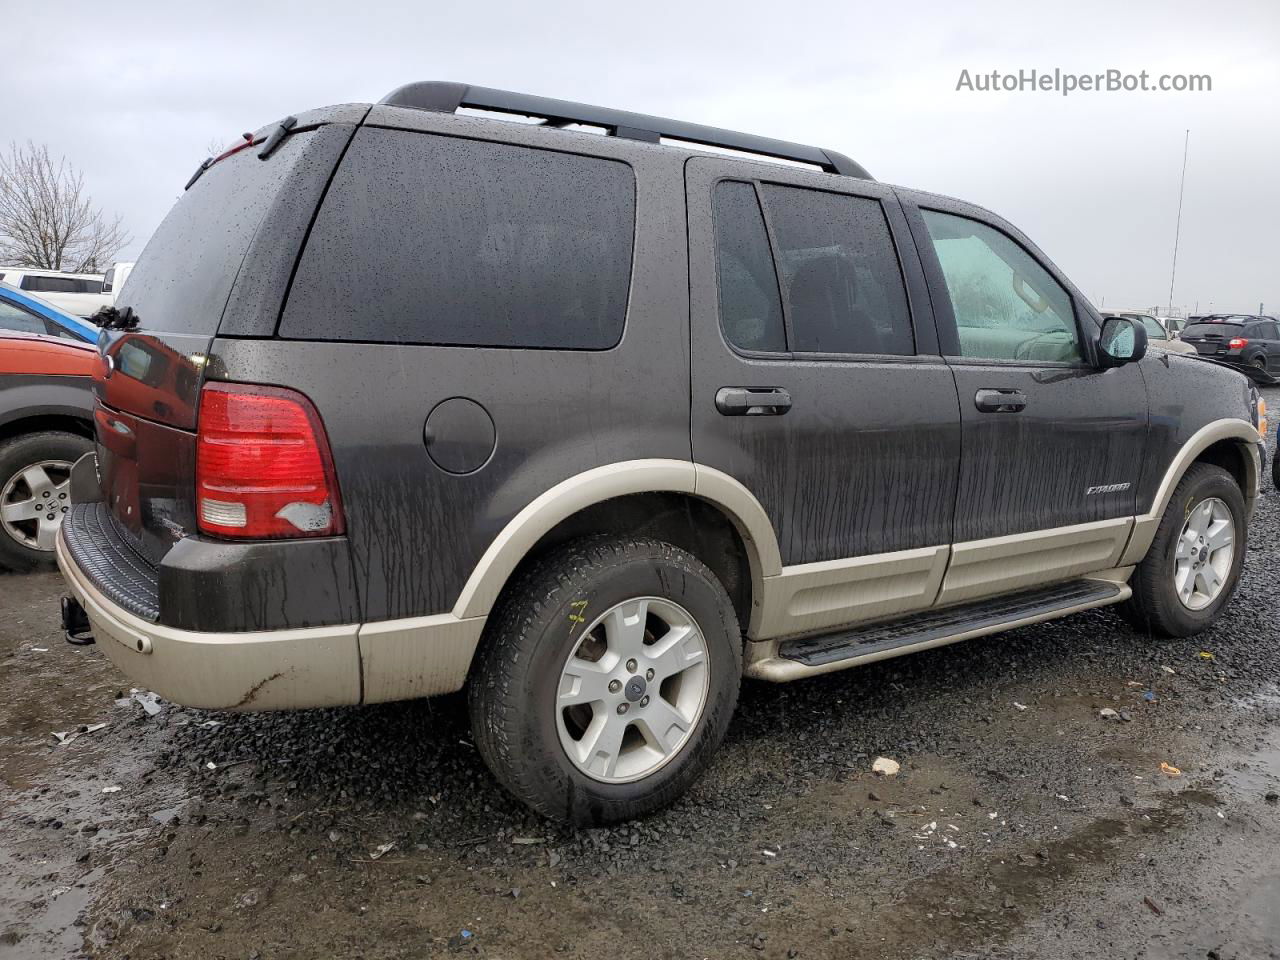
x: 753, y: 401
x: 1000, y: 401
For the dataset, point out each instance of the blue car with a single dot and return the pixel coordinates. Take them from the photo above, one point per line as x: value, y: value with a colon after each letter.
x: 19, y: 310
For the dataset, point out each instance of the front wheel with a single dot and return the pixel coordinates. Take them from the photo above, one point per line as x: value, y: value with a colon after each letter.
x: 607, y: 680
x: 1193, y: 566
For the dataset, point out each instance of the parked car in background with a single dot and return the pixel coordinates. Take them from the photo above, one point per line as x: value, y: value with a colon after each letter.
x: 1158, y: 335
x: 397, y: 400
x: 25, y: 313
x: 1240, y: 339
x: 1174, y: 325
x: 79, y: 294
x: 46, y: 424
x: 115, y: 277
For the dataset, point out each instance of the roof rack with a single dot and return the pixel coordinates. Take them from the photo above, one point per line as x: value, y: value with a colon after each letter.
x: 446, y: 97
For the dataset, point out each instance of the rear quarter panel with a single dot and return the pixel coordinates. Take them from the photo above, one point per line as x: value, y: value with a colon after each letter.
x: 416, y: 531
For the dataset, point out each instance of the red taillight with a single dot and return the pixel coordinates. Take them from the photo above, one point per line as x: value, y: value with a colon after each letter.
x: 263, y: 467
x: 1235, y: 343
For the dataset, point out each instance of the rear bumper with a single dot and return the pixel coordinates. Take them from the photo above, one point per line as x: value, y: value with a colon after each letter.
x: 280, y: 669
x: 270, y: 670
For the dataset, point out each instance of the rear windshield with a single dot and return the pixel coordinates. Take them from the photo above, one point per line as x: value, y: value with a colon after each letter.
x: 1211, y: 329
x: 438, y: 240
x: 182, y: 280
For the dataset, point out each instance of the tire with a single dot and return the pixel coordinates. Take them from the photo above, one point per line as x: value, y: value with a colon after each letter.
x: 1155, y: 606
x: 25, y: 541
x: 1259, y: 363
x: 549, y: 616
x: 1275, y: 463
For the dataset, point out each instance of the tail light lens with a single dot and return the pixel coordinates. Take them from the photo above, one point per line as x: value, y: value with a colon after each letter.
x: 263, y: 465
x: 1235, y: 343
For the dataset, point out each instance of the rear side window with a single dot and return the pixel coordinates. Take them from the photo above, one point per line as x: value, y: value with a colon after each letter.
x: 438, y: 240
x: 38, y: 284
x: 750, y: 305
x: 840, y: 276
x: 183, y: 278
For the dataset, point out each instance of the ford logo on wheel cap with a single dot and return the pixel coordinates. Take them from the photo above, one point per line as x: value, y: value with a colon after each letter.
x: 635, y: 688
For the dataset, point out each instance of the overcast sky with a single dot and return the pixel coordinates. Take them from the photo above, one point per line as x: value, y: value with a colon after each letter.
x: 134, y: 94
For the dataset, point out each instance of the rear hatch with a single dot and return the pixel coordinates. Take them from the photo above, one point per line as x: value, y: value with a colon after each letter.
x: 220, y: 261
x: 1211, y: 337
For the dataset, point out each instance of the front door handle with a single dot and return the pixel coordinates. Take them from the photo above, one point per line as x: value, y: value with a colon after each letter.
x: 1000, y: 401
x: 753, y: 401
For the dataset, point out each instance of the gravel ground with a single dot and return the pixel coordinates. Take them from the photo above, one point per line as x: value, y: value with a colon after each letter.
x: 1021, y: 825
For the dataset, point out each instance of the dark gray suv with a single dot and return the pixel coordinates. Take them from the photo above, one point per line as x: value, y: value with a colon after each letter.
x: 593, y: 421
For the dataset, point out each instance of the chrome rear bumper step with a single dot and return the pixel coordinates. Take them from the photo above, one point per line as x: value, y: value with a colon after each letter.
x: 932, y: 628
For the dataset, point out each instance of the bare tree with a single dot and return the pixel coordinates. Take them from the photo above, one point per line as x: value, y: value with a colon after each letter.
x: 46, y: 219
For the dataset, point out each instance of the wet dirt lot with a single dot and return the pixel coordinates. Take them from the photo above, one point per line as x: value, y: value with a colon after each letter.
x: 1021, y: 825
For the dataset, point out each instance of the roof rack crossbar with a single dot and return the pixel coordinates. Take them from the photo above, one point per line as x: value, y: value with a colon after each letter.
x: 446, y: 97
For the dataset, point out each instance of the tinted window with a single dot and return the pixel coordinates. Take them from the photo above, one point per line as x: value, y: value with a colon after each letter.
x: 427, y: 239
x: 1270, y: 332
x: 38, y: 284
x: 840, y: 274
x: 1007, y: 306
x: 1211, y: 330
x: 182, y: 279
x: 15, y: 318
x: 750, y: 306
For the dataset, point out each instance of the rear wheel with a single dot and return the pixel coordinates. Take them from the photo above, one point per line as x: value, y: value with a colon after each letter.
x: 607, y: 681
x: 1193, y: 566
x: 35, y: 493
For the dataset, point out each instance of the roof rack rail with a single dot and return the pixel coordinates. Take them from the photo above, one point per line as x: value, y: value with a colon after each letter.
x: 446, y: 97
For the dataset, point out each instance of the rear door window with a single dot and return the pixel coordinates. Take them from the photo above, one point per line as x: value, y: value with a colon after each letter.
x: 841, y: 281
x: 438, y: 240
x: 750, y: 305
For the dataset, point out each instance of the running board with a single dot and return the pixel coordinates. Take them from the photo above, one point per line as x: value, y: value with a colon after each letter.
x: 933, y: 628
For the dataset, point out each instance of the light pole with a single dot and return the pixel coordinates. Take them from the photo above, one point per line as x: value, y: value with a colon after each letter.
x: 1177, y: 230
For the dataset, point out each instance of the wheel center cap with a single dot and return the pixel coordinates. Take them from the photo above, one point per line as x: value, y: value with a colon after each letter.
x: 635, y: 688
x: 1204, y: 554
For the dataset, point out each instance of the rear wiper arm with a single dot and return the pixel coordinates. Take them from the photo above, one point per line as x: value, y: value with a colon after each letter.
x: 276, y: 136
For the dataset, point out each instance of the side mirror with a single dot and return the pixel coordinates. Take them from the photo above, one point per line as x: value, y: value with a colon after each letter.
x: 1122, y: 341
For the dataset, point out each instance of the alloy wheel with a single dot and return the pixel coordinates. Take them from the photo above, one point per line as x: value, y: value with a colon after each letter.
x: 34, y: 501
x: 1204, y: 554
x: 632, y: 690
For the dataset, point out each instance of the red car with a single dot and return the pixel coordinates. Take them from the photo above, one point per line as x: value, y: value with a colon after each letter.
x: 46, y: 424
